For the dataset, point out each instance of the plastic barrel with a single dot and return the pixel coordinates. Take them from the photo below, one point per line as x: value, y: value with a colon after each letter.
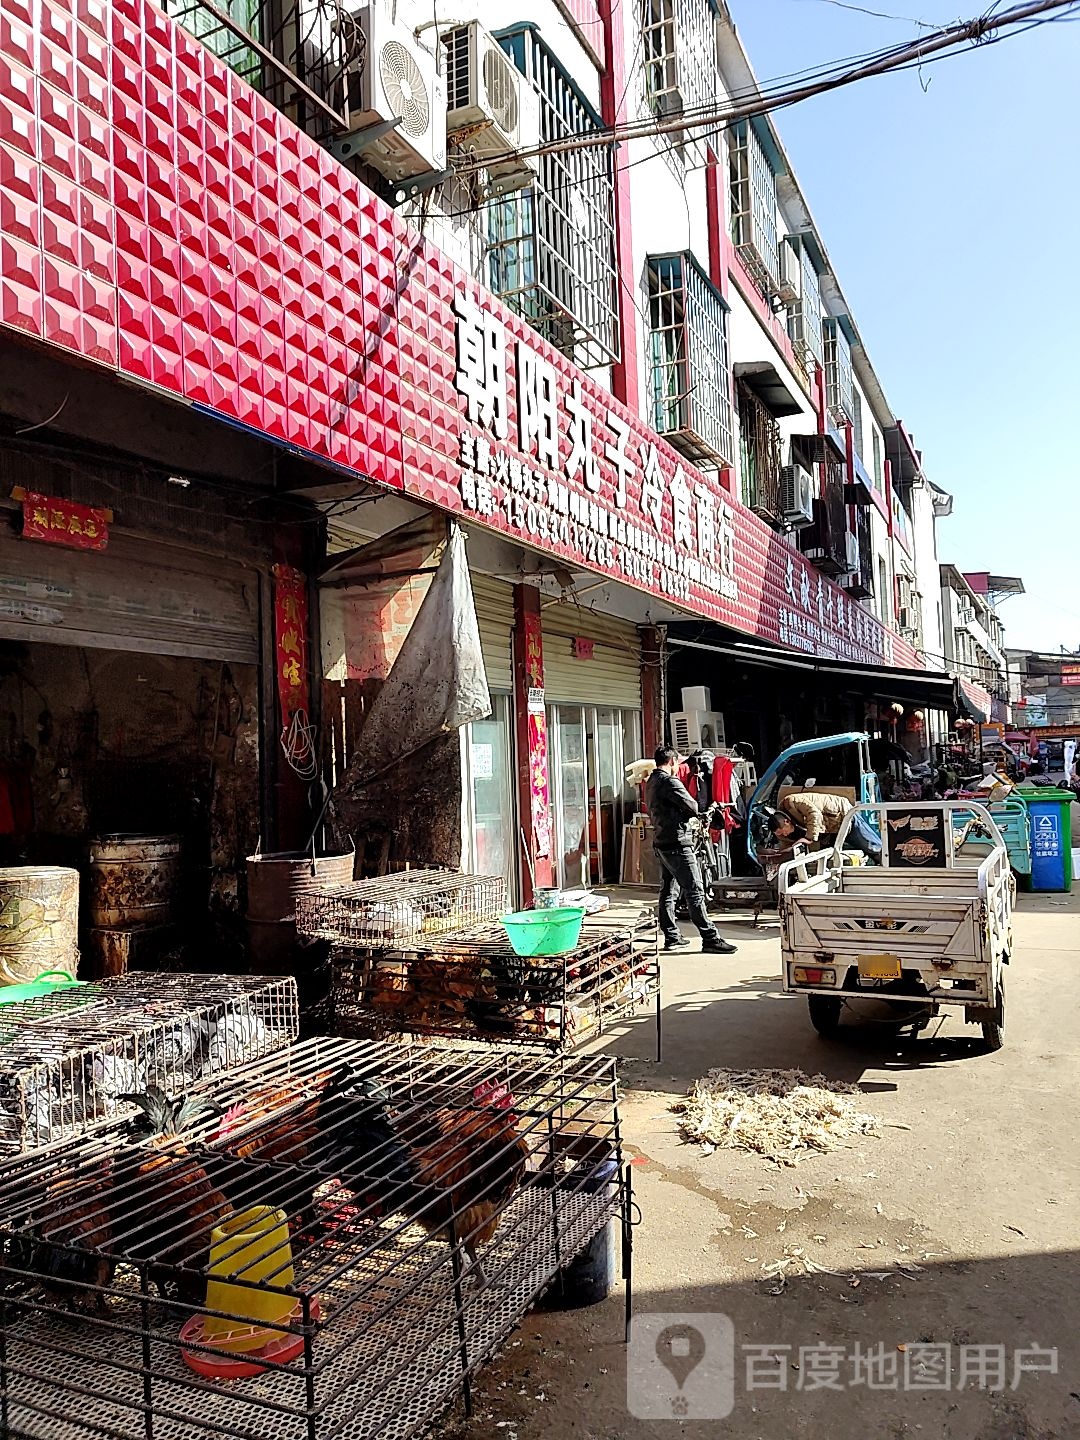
x: 39, y: 922
x: 133, y: 881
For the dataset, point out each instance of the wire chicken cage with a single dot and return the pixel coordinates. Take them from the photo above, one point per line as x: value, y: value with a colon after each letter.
x: 398, y: 909
x: 67, y: 1059
x: 433, y: 1193
x: 474, y: 986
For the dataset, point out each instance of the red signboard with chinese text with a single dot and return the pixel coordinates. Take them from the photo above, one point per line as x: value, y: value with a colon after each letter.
x: 180, y: 281
x: 62, y: 522
x: 539, y: 785
x: 290, y: 638
x: 583, y: 649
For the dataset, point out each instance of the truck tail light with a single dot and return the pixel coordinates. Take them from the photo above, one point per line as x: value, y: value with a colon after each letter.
x: 814, y: 975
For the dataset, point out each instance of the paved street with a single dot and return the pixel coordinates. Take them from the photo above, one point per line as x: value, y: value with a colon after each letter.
x: 974, y: 1179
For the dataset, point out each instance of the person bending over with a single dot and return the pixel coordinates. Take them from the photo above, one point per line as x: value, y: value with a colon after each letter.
x: 816, y: 817
x: 672, y: 807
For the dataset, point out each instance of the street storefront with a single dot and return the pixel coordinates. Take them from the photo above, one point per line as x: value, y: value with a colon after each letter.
x: 458, y: 403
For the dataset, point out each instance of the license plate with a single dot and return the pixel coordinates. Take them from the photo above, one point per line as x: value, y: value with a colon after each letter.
x: 879, y: 967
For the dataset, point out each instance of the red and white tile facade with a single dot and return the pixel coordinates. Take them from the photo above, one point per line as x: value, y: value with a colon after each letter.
x: 159, y: 218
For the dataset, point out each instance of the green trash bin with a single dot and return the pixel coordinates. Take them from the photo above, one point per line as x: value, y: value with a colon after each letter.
x: 1051, y: 837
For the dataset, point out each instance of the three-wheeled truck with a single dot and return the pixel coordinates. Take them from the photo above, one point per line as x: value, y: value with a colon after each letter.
x: 930, y: 926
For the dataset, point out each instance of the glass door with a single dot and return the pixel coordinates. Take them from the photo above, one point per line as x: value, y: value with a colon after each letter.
x: 490, y: 820
x: 570, y: 795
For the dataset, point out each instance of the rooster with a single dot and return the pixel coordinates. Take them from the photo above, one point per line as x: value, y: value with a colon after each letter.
x: 78, y: 1216
x: 452, y: 1171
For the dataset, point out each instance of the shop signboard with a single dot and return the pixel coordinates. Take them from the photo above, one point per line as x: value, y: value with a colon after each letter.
x: 63, y: 522
x: 1070, y: 674
x: 290, y: 636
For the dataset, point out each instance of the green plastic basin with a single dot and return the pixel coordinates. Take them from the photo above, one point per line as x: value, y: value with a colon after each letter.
x: 544, y: 932
x: 34, y: 989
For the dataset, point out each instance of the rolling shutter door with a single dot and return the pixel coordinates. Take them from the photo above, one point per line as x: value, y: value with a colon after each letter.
x: 137, y: 595
x: 611, y: 677
x: 495, y: 616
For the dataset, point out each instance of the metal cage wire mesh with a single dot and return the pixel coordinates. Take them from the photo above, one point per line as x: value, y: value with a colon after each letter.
x: 474, y: 986
x: 397, y: 909
x: 425, y: 1165
x: 67, y: 1059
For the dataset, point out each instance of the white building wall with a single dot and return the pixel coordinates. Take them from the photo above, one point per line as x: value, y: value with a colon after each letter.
x: 928, y: 575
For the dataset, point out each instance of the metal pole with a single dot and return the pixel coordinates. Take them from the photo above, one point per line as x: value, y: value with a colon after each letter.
x: 459, y: 1316
x: 627, y: 1252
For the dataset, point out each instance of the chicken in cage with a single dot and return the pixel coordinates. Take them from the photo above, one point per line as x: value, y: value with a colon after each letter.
x: 69, y: 1060
x: 327, y: 1243
x: 473, y: 985
x: 398, y: 909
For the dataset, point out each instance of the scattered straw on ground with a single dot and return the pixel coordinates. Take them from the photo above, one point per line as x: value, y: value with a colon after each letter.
x: 781, y: 1114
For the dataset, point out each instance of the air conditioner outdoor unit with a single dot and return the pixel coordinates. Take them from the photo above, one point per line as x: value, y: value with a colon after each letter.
x: 397, y: 85
x: 790, y: 288
x: 491, y: 106
x: 903, y: 618
x: 851, y: 549
x: 797, y: 495
x: 693, y: 728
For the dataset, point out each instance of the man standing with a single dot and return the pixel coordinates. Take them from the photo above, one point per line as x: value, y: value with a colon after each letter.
x: 671, y: 808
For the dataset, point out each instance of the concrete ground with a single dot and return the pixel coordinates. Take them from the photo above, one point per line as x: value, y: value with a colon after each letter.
x: 974, y: 1179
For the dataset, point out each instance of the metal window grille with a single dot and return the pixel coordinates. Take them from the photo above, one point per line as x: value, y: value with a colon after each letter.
x: 804, y: 324
x: 297, y: 53
x: 860, y: 584
x: 753, y: 207
x: 839, y: 384
x: 68, y: 1059
x: 399, y: 909
x: 825, y: 541
x: 678, y: 43
x: 689, y: 360
x: 474, y: 986
x: 551, y: 247
x: 433, y: 1194
x: 759, y: 455
x: 877, y: 459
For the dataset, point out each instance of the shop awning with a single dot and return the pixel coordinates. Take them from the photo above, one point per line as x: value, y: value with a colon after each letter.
x: 915, y: 687
x: 975, y: 702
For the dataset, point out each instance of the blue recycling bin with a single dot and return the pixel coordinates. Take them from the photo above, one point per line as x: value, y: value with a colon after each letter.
x: 1051, y: 837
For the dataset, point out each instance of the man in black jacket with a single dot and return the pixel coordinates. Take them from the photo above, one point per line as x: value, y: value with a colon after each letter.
x: 671, y: 808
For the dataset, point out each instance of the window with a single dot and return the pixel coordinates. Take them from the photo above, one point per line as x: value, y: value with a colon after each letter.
x: 551, y: 247
x: 884, y: 592
x: 856, y: 421
x: 877, y: 459
x: 839, y: 389
x: 678, y: 42
x: 804, y: 321
x: 689, y: 363
x: 753, y: 207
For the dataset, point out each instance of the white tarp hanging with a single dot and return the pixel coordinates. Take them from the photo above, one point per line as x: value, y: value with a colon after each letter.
x: 438, y: 682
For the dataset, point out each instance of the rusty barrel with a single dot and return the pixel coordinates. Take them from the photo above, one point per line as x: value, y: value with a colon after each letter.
x: 133, y: 881
x: 39, y: 922
x: 273, y: 884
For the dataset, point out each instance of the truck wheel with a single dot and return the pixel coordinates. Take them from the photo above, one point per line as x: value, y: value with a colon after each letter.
x: 825, y: 1014
x: 994, y: 1030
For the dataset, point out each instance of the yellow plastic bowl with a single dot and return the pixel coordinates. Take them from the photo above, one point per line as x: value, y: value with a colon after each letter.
x: 252, y: 1245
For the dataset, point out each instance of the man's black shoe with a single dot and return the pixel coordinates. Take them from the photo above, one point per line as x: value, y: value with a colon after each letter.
x: 680, y: 944
x: 718, y: 947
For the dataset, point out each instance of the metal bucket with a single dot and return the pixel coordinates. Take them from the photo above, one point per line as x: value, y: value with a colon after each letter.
x: 133, y: 880
x: 39, y: 922
x: 274, y: 881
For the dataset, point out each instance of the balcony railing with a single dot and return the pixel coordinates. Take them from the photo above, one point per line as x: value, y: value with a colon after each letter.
x: 551, y: 247
x: 759, y: 455
x: 804, y: 318
x: 299, y: 54
x: 825, y: 541
x: 690, y: 364
x: 753, y: 208
x: 839, y: 384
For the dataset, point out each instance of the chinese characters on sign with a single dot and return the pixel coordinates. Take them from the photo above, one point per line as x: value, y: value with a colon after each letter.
x: 62, y: 522
x: 290, y: 638
x: 539, y: 789
x: 572, y: 473
x: 577, y: 477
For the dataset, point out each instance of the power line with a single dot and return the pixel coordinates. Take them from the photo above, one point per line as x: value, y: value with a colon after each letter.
x: 984, y: 29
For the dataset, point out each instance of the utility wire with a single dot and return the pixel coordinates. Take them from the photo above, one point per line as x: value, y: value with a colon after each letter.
x: 984, y: 29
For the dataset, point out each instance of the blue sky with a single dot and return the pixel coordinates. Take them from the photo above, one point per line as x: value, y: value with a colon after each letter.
x: 952, y: 218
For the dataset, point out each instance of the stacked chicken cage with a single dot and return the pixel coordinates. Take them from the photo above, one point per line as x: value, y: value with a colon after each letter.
x: 473, y: 985
x: 327, y: 1242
